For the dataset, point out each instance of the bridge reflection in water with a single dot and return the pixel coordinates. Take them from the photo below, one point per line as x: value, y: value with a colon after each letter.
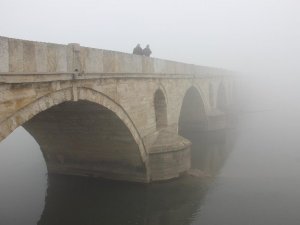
x: 76, y: 200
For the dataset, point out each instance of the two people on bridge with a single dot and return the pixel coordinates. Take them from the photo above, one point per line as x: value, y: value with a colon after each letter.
x: 139, y: 51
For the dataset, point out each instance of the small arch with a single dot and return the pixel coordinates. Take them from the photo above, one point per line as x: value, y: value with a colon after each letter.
x: 160, y: 108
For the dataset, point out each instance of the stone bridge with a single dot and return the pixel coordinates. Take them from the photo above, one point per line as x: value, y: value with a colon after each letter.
x: 109, y: 114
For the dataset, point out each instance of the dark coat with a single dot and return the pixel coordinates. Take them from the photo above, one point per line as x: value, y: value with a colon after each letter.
x: 147, y: 51
x: 138, y: 50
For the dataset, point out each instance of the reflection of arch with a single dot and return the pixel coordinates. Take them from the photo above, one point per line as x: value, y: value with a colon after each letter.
x: 55, y: 98
x: 221, y: 98
x: 62, y: 194
x: 192, y: 113
x: 160, y: 108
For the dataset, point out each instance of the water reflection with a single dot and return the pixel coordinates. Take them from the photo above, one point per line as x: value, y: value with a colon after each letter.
x: 73, y: 200
x: 210, y: 149
x: 77, y: 200
x: 259, y: 184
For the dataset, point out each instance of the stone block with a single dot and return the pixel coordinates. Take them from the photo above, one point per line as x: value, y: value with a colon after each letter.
x: 93, y: 60
x: 61, y: 58
x: 4, y: 55
x: 147, y: 65
x: 128, y: 63
x: 51, y: 58
x: 109, y: 61
x: 41, y: 57
x: 29, y: 57
x: 15, y: 48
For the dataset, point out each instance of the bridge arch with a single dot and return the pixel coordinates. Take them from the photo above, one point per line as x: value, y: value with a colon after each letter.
x: 85, y: 96
x: 193, y: 112
x: 160, y: 107
x: 26, y: 113
x: 101, y: 99
x: 193, y: 121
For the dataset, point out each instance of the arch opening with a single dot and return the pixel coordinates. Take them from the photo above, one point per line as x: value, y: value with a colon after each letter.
x: 160, y: 108
x: 192, y: 114
x: 192, y: 124
x: 23, y: 167
x: 86, y: 138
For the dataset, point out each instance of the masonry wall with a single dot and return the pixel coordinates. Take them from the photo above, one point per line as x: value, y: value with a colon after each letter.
x: 29, y: 56
x: 36, y: 76
x: 18, y: 56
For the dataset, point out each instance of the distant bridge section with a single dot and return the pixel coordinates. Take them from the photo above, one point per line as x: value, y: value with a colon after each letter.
x: 110, y: 114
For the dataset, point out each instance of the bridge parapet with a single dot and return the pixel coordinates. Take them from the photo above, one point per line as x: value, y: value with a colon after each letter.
x: 20, y: 56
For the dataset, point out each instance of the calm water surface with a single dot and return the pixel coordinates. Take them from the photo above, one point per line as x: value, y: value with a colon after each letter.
x: 258, y: 183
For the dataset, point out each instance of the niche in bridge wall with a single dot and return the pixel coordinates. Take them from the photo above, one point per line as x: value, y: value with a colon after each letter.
x: 85, y: 138
x: 160, y: 107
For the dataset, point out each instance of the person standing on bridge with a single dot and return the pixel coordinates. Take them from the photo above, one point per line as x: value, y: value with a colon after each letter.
x: 138, y: 50
x: 147, y: 51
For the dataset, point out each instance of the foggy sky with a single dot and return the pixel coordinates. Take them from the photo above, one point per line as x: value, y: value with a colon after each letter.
x: 224, y: 33
x: 259, y: 38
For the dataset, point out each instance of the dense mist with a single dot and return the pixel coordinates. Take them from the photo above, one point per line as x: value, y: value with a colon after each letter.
x: 258, y: 40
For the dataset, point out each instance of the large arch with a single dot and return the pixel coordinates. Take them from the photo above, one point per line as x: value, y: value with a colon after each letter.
x: 160, y: 108
x: 193, y: 122
x: 62, y: 99
x: 101, y: 99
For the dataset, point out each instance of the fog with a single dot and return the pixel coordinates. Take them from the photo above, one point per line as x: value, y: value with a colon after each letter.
x: 258, y: 40
x: 240, y: 35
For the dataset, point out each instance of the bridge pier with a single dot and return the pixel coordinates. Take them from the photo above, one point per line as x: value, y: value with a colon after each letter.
x: 169, y: 155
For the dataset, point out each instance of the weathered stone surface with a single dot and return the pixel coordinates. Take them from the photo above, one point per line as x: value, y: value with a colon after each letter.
x: 93, y: 60
x: 134, y: 106
x: 109, y: 61
x: 41, y: 57
x: 51, y: 58
x: 61, y: 58
x: 169, y: 165
x: 15, y: 48
x: 29, y: 62
x: 169, y: 155
x: 128, y: 63
x: 4, y: 55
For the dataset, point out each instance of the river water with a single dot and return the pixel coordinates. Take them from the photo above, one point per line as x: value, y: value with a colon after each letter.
x: 257, y: 182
